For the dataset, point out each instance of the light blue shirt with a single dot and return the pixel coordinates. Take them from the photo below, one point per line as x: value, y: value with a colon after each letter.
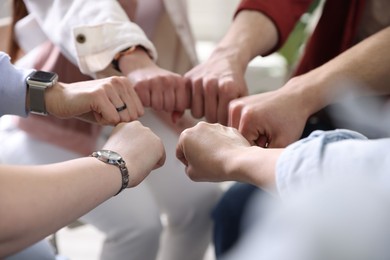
x: 13, y: 88
x: 335, y: 192
x: 338, y: 153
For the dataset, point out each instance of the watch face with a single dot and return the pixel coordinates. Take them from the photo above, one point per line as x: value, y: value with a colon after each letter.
x: 43, y: 76
x: 109, y: 155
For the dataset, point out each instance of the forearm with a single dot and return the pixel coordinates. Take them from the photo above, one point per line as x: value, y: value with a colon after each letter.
x: 251, y: 34
x: 367, y: 64
x: 36, y: 201
x: 256, y: 166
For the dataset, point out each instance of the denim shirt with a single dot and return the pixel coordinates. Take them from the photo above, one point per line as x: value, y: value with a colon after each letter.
x: 338, y: 153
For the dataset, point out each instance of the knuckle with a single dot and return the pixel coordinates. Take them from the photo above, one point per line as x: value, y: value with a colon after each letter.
x: 247, y: 114
x: 197, y: 82
x: 228, y: 92
x: 202, y: 125
x: 185, y: 133
x: 236, y: 105
x: 210, y: 83
x: 115, y: 80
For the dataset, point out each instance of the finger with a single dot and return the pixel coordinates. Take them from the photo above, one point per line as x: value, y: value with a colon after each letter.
x: 114, y: 93
x: 169, y: 96
x: 176, y: 115
x: 222, y: 110
x: 180, y: 152
x: 197, y: 98
x: 131, y: 98
x: 182, y: 95
x: 124, y: 112
x: 139, y: 108
x: 224, y: 98
x: 262, y: 141
x: 249, y: 132
x: 191, y: 173
x: 107, y: 111
x: 160, y: 162
x: 235, y: 108
x: 157, y: 98
x: 131, y: 107
x: 143, y: 92
x: 211, y: 99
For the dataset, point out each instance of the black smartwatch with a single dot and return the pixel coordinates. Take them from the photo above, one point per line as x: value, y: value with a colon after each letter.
x: 114, y: 158
x: 37, y: 83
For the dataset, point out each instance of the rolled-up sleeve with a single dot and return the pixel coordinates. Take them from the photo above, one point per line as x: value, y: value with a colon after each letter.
x: 89, y: 32
x: 12, y: 88
x: 283, y: 13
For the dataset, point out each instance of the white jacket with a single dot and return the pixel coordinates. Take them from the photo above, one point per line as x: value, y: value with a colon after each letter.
x: 91, y: 32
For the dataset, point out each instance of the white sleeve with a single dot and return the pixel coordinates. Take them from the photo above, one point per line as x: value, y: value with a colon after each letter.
x: 89, y: 32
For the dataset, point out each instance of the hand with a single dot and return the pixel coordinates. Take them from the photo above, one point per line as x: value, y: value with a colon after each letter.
x: 209, y: 152
x: 214, y: 84
x: 273, y: 119
x: 156, y: 87
x: 95, y: 101
x: 141, y: 149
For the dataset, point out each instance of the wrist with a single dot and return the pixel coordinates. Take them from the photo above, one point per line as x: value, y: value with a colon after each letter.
x: 54, y: 97
x: 114, y: 159
x: 138, y: 58
x: 308, y: 91
x: 38, y: 83
x: 108, y: 174
x: 235, y: 55
x: 256, y: 165
x: 240, y: 164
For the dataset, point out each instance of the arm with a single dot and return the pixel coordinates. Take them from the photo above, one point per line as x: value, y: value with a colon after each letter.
x: 259, y: 28
x: 265, y: 118
x: 38, y: 200
x: 221, y: 78
x: 93, y: 41
x: 94, y: 101
x: 217, y: 153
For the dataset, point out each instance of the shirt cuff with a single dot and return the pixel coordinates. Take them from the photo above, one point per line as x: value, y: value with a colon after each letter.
x: 97, y: 45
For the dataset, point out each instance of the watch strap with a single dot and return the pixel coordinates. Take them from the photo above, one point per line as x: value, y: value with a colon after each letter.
x: 37, y: 83
x: 37, y: 100
x: 121, y: 164
x: 127, y: 51
x: 125, y: 175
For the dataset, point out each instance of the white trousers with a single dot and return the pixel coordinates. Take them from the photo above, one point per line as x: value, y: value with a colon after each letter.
x: 131, y: 221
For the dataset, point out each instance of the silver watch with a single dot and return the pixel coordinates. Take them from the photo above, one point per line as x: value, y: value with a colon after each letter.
x: 114, y: 158
x: 37, y: 83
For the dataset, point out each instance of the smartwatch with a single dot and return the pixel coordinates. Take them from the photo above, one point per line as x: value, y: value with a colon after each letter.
x: 37, y: 83
x: 114, y: 158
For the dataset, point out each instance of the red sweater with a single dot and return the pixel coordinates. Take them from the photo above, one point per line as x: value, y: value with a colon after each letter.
x: 334, y: 33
